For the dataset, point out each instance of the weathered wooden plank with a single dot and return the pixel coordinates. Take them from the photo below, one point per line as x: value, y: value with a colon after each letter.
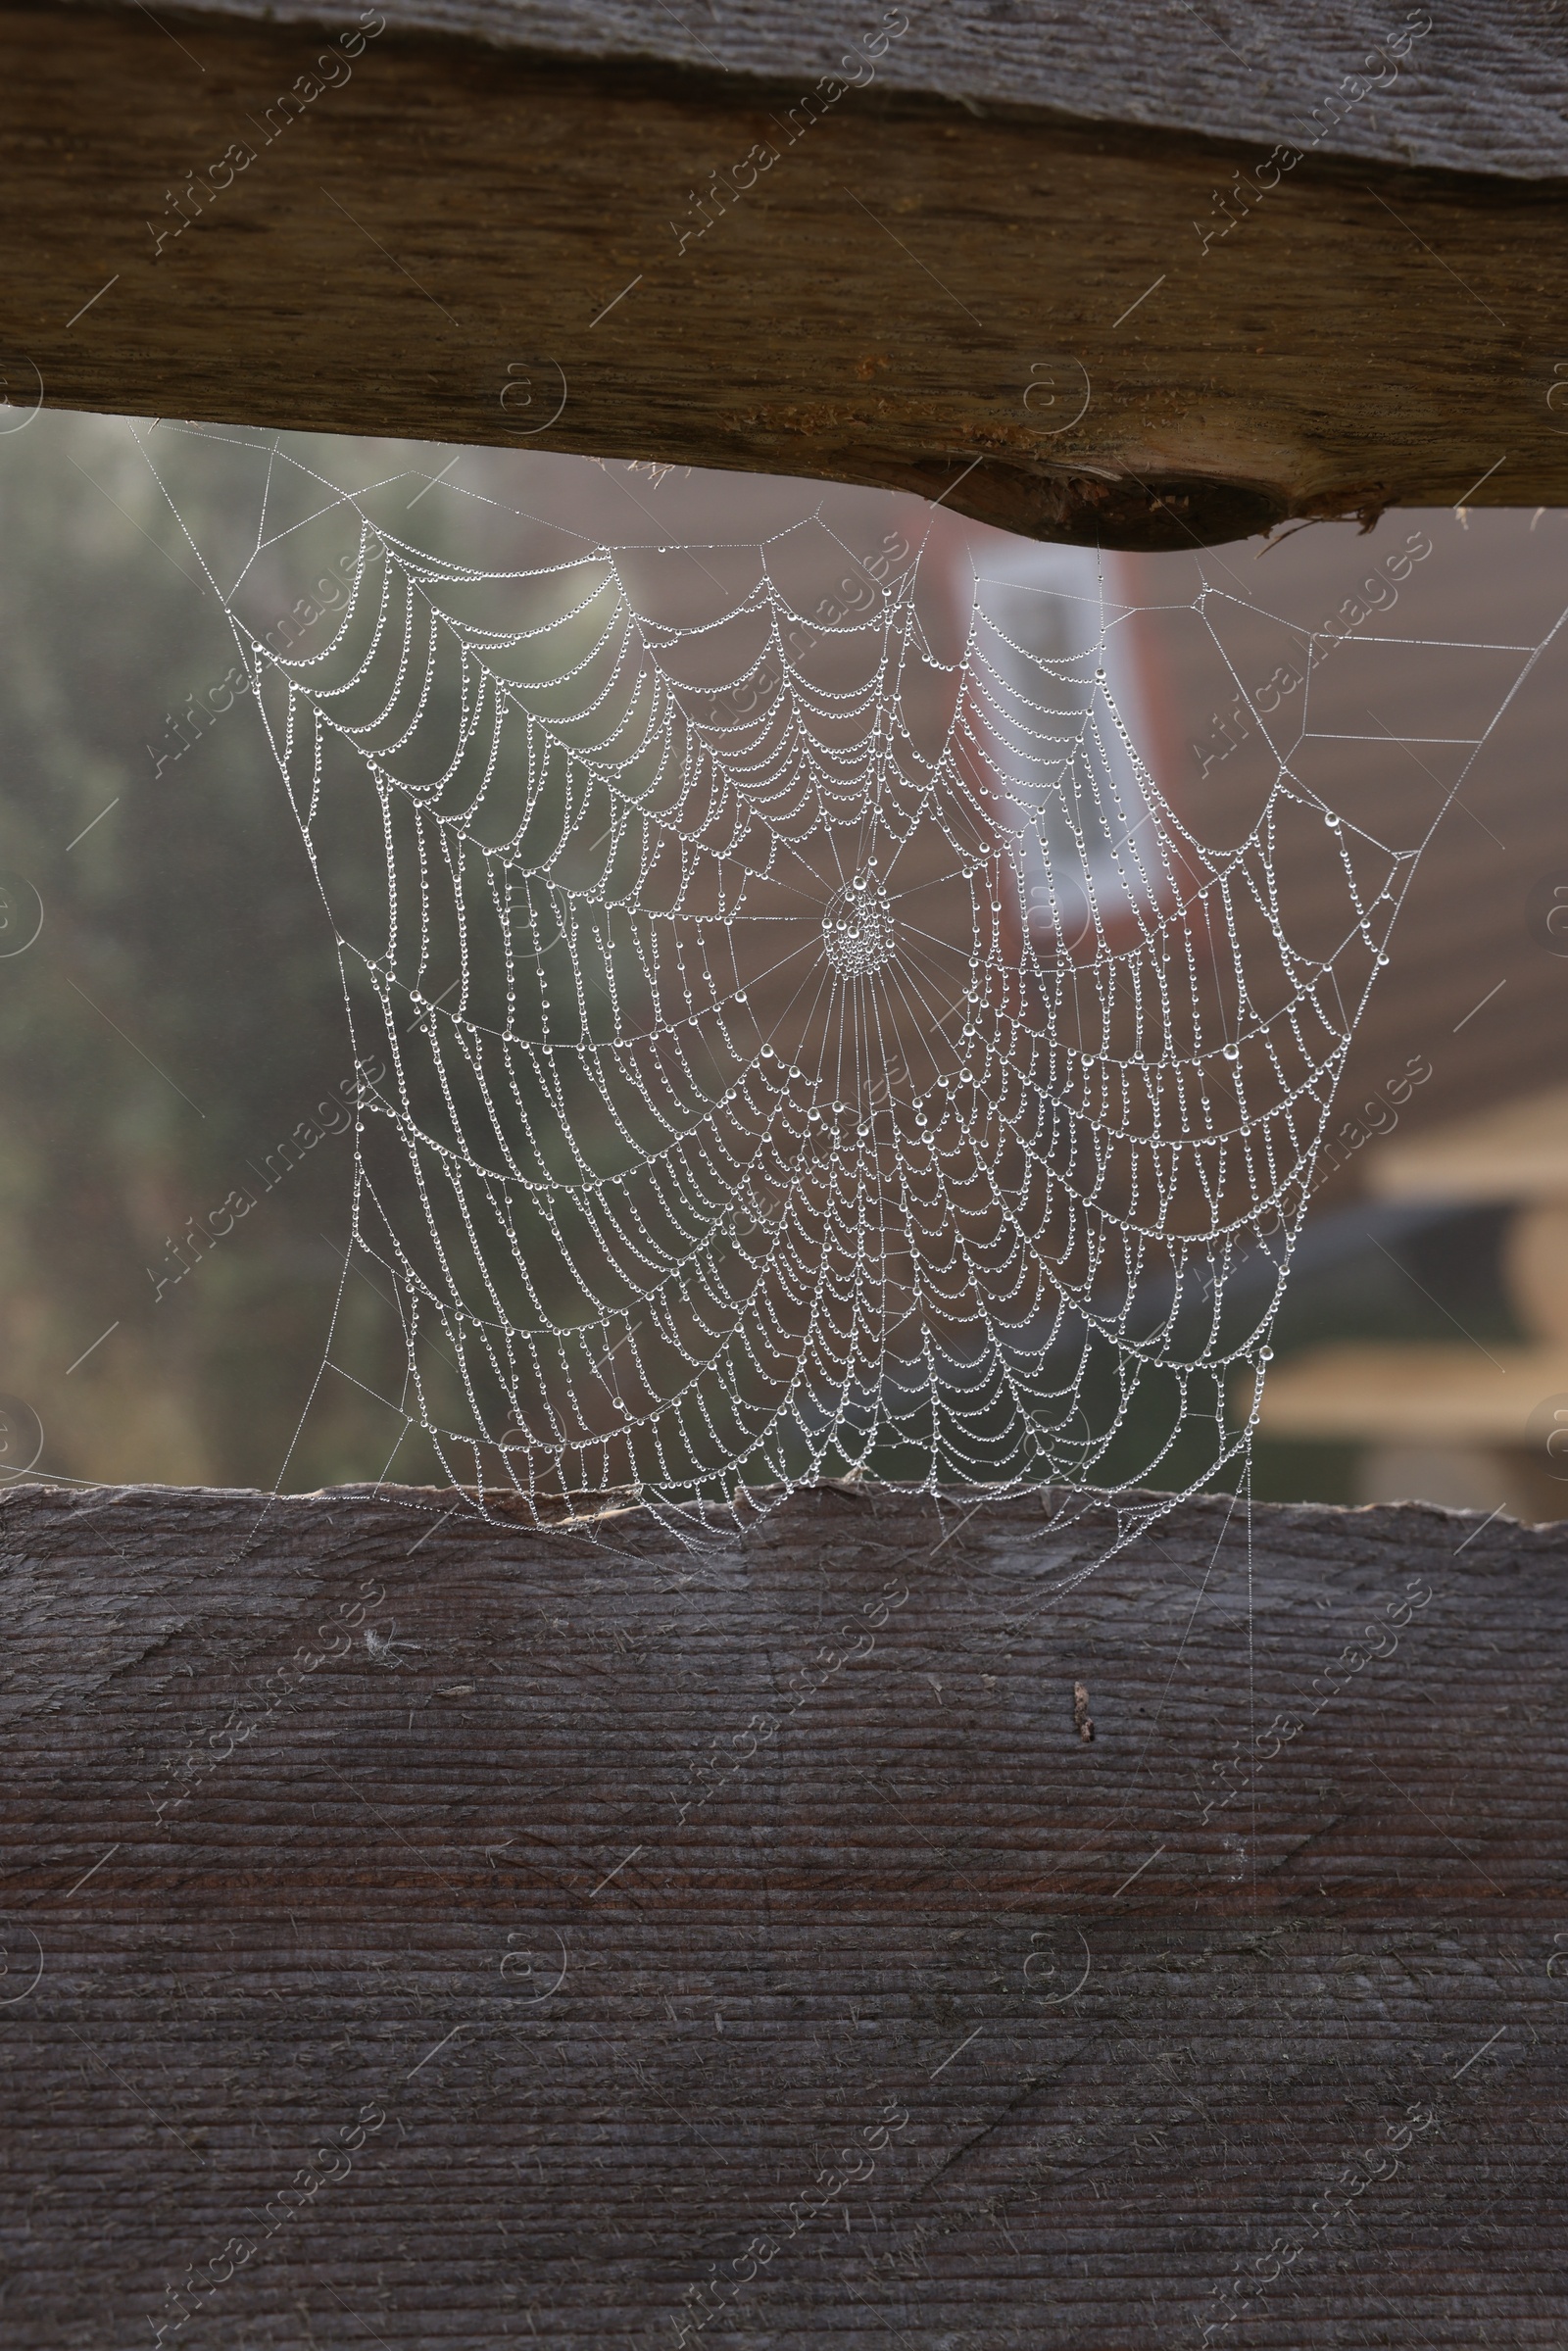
x: 1013, y: 312
x: 1478, y: 88
x: 425, y: 1931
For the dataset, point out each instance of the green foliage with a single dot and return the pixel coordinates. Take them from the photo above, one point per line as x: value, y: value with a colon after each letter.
x: 179, y: 1017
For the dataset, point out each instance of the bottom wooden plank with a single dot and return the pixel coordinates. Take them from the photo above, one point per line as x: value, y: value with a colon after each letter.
x: 419, y: 1931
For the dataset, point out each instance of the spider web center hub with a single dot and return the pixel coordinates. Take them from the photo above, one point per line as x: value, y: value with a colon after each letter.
x: 858, y: 928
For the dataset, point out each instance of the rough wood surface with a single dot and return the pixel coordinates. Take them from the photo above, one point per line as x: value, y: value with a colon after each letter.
x: 1015, y: 312
x: 1482, y: 88
x: 423, y: 1932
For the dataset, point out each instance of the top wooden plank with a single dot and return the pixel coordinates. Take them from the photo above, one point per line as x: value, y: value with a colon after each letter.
x: 1476, y: 88
x: 1077, y: 325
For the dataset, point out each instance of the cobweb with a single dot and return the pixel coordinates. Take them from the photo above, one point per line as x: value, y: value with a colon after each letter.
x: 794, y: 1048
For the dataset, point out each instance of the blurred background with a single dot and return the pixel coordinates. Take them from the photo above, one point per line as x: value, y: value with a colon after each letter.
x: 172, y: 1021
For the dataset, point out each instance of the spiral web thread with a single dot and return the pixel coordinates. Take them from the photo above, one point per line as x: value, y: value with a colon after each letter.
x: 805, y: 1056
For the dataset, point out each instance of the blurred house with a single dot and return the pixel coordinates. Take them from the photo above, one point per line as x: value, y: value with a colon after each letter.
x: 1427, y: 1324
x: 1467, y: 1421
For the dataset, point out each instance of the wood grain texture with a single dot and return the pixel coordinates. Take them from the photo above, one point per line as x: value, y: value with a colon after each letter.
x: 1482, y: 88
x: 446, y: 1991
x: 463, y: 244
